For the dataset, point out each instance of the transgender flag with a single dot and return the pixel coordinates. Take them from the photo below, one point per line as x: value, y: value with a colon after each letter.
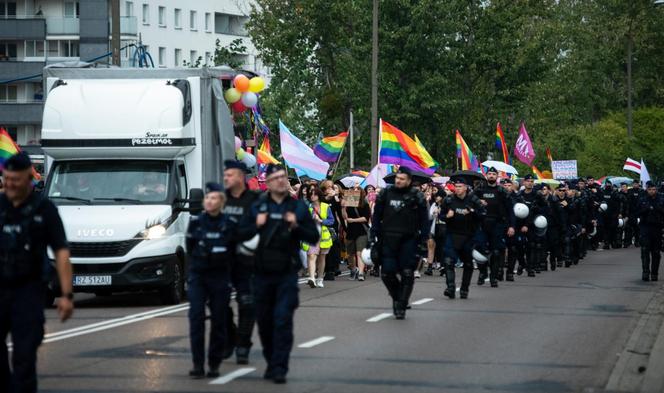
x: 300, y: 156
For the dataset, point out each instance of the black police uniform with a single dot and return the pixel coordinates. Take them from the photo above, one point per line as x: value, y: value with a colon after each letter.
x: 400, y: 223
x: 277, y: 262
x: 499, y: 216
x: 461, y: 231
x: 209, y: 244
x: 589, y: 211
x: 609, y: 218
x: 241, y: 278
x: 651, y: 214
x: 514, y: 243
x: 25, y: 233
x: 632, y: 225
x: 555, y: 232
x: 575, y: 219
x: 534, y: 246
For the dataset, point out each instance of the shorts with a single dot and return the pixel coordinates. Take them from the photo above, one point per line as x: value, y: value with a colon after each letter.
x: 356, y: 245
x: 314, y: 249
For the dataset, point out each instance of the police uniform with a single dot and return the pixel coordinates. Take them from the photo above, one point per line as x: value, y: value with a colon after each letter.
x: 209, y: 245
x: 533, y: 249
x: 556, y: 231
x: 401, y: 224
x: 651, y: 214
x: 461, y: 230
x: 515, y: 243
x: 277, y: 262
x: 25, y: 233
x: 632, y: 226
x: 241, y: 276
x: 609, y: 218
x: 499, y: 216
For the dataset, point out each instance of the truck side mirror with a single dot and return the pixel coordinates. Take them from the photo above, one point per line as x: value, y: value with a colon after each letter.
x: 196, y: 196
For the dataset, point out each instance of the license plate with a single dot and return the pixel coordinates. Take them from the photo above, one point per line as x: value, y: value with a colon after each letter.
x: 84, y: 281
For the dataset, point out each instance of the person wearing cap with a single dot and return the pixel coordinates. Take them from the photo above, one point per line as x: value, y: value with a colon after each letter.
x: 400, y: 229
x: 651, y: 215
x: 282, y: 223
x: 239, y: 200
x: 497, y: 225
x: 589, y: 220
x: 534, y: 246
x: 209, y: 250
x: 464, y: 213
x: 513, y: 243
x: 634, y: 194
x: 609, y: 218
x: 29, y: 223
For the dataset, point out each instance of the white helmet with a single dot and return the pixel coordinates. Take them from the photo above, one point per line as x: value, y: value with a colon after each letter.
x: 479, y: 257
x: 521, y: 210
x: 594, y: 232
x: 248, y: 247
x: 603, y: 207
x: 541, y: 222
x: 621, y: 223
x: 366, y: 257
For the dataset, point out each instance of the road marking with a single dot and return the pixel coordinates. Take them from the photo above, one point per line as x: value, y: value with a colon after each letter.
x: 422, y: 301
x: 318, y: 341
x: 224, y: 379
x: 379, y: 317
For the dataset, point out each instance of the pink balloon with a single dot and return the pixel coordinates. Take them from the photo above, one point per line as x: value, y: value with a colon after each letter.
x: 238, y: 143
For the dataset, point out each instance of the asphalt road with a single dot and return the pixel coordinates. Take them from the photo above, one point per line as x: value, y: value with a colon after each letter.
x: 558, y: 332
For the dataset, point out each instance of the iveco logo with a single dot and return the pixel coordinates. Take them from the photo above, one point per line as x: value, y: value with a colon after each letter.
x: 95, y: 232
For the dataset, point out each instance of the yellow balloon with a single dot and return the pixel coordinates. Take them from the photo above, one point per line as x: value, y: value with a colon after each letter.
x: 256, y: 84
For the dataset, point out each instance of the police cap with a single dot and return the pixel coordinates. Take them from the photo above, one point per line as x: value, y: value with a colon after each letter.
x: 528, y: 177
x: 233, y: 164
x: 18, y: 162
x: 273, y: 168
x: 492, y: 169
x: 650, y: 184
x: 459, y: 180
x: 405, y: 171
x: 212, y: 187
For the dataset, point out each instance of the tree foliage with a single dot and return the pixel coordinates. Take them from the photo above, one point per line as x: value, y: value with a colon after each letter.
x: 558, y: 65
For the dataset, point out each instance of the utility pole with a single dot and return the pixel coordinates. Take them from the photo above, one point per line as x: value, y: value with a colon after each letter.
x: 115, y: 32
x: 350, y: 141
x: 630, y: 44
x: 374, y: 86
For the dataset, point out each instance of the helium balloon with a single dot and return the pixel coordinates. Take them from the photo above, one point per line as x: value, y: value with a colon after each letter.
x: 238, y: 143
x: 232, y: 95
x: 248, y: 159
x: 241, y: 83
x: 256, y: 84
x: 238, y: 107
x: 249, y: 99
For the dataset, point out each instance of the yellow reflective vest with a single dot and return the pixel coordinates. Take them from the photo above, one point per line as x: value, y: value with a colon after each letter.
x: 325, y: 236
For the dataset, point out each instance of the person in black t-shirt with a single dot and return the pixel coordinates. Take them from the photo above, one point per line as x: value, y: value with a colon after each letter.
x: 357, y: 229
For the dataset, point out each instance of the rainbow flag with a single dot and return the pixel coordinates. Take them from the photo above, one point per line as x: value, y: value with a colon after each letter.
x: 398, y: 148
x: 548, y: 154
x: 537, y: 173
x: 426, y: 157
x: 8, y: 148
x: 264, y: 153
x: 360, y: 173
x: 469, y: 161
x: 329, y: 149
x: 501, y: 145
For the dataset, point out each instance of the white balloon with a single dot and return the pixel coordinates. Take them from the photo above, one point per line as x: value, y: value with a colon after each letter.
x: 249, y: 99
x: 248, y: 159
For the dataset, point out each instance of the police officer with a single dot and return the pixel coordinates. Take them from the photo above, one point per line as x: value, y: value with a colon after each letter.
x: 464, y: 213
x: 611, y: 215
x: 634, y: 194
x: 29, y: 224
x: 282, y: 223
x: 209, y: 244
x: 558, y: 235
x: 534, y: 246
x: 651, y: 213
x: 588, y: 216
x: 239, y: 200
x: 400, y: 224
x: 515, y: 242
x: 498, y: 223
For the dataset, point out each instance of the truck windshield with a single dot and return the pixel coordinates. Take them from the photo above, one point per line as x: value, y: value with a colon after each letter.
x: 109, y: 182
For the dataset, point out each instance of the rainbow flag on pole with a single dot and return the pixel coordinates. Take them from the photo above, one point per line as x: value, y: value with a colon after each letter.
x: 537, y: 173
x: 8, y: 148
x: 264, y: 153
x: 469, y: 161
x: 398, y: 148
x: 501, y: 145
x: 329, y: 149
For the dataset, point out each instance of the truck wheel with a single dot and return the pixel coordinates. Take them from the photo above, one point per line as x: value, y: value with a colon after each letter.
x: 173, y: 293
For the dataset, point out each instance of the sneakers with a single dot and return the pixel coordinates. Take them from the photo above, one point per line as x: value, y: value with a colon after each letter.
x: 360, y: 277
x: 311, y: 282
x: 417, y: 274
x: 429, y: 271
x: 319, y: 283
x: 353, y: 274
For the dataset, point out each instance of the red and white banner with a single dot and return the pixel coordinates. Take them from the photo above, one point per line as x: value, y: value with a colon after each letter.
x: 632, y: 165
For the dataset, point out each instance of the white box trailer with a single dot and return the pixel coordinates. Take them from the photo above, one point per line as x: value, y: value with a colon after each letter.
x: 128, y: 153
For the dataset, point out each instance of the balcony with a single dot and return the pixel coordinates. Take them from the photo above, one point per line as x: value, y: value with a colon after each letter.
x: 128, y: 25
x: 20, y: 113
x: 14, y: 69
x: 62, y: 26
x: 26, y: 28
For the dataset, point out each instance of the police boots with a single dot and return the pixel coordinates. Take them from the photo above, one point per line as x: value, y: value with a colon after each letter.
x: 645, y: 264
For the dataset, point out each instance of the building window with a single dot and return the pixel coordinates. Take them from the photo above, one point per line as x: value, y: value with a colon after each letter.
x: 13, y: 132
x: 230, y: 24
x: 129, y: 8
x: 193, y: 57
x: 8, y: 93
x: 178, y: 57
x: 162, y: 56
x: 208, y: 18
x: 192, y: 20
x: 177, y: 18
x: 146, y: 14
x: 8, y: 51
x: 208, y: 58
x: 67, y: 48
x: 72, y: 9
x: 7, y: 9
x: 162, y: 16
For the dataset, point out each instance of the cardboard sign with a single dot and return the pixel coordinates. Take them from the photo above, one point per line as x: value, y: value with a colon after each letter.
x: 564, y: 170
x: 352, y: 198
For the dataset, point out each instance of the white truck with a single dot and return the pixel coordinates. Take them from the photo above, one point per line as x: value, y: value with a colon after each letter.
x: 128, y: 153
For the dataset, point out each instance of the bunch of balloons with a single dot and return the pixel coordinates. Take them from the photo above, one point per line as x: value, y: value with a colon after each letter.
x: 244, y: 93
x: 247, y: 158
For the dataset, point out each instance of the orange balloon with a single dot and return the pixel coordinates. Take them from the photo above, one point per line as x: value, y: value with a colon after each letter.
x: 241, y: 83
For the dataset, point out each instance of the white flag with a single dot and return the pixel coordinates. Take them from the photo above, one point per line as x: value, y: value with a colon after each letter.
x: 645, y: 176
x: 632, y: 165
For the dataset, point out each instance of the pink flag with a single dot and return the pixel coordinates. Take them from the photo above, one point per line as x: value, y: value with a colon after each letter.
x: 523, y: 148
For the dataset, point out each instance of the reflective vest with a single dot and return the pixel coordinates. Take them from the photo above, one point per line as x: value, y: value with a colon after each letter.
x: 325, y: 236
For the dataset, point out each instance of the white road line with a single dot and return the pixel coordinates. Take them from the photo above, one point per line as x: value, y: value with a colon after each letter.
x: 379, y: 317
x: 318, y: 341
x: 224, y: 379
x: 422, y: 301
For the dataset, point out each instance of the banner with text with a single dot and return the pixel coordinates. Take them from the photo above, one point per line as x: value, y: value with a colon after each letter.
x: 564, y: 170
